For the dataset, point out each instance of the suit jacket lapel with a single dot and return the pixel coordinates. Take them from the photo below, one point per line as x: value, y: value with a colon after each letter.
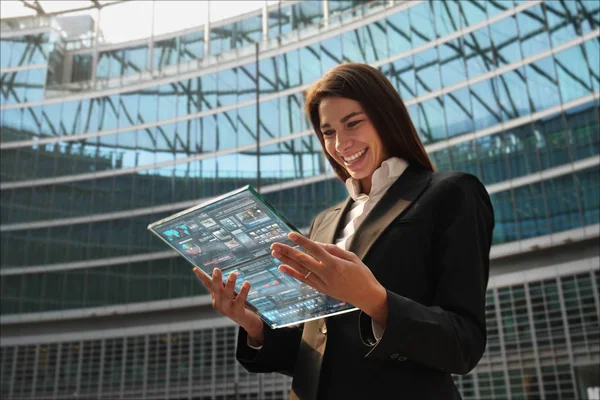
x: 325, y: 232
x: 407, y: 188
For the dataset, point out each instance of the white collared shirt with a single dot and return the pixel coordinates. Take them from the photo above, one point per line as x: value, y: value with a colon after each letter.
x: 383, y: 178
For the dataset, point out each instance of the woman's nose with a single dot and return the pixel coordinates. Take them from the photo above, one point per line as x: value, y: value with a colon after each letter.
x: 342, y: 142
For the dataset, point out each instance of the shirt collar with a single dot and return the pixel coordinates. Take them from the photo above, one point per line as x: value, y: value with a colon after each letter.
x: 383, y: 177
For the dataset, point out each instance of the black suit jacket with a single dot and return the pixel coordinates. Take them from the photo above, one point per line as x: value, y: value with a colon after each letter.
x: 427, y: 242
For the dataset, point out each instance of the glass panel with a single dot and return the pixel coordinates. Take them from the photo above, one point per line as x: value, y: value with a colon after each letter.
x: 248, y: 31
x: 137, y: 60
x: 375, y: 41
x: 402, y: 75
x: 592, y: 50
x: 542, y: 84
x: 447, y: 17
x: 227, y: 84
x: 491, y: 151
x: 268, y: 76
x: 583, y: 128
x: 504, y: 35
x: 331, y: 53
x: 148, y: 109
x: 589, y: 188
x: 310, y: 59
x: 398, y: 33
x: 453, y: 68
x: 531, y: 214
x: 423, y: 24
x: 81, y: 69
x: 563, y: 203
x: 472, y: 11
x: 164, y: 53
x: 352, y: 43
x: 485, y: 108
x: 191, y: 47
x: 464, y: 158
x: 288, y: 66
x: 523, y: 145
x: 561, y: 23
x: 590, y: 10
x: 208, y: 91
x: 306, y: 13
x: 512, y: 98
x: 459, y: 118
x: 494, y: 8
x: 428, y: 72
x: 441, y: 160
x: 553, y: 140
x: 478, y: 52
x: 532, y: 31
x: 5, y: 52
x: 573, y: 70
x: 430, y: 127
x: 505, y: 229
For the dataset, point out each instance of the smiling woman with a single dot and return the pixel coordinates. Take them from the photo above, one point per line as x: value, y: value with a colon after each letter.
x: 351, y: 105
x: 409, y: 248
x: 351, y: 140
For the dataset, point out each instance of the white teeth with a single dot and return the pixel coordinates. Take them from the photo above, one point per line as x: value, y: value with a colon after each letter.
x: 354, y: 156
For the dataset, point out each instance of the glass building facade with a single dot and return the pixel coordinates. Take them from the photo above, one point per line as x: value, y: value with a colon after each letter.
x: 98, y: 140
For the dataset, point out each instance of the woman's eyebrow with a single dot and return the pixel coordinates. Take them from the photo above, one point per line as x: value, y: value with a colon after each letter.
x: 344, y: 119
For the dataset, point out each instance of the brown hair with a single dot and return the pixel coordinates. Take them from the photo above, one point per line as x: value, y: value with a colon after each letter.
x: 382, y: 104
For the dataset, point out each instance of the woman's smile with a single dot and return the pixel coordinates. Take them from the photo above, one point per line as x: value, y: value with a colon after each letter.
x: 356, y: 159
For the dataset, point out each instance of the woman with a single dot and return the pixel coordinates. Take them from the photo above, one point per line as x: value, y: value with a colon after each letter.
x: 409, y: 248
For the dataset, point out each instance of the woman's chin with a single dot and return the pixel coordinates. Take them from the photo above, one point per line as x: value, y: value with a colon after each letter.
x: 358, y: 175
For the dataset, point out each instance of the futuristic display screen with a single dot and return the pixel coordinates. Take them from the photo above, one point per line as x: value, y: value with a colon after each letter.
x: 234, y: 233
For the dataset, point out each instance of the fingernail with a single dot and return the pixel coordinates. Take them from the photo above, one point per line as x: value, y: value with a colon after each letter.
x: 276, y: 254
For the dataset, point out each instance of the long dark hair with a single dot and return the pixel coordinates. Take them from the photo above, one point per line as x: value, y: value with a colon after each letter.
x: 382, y: 104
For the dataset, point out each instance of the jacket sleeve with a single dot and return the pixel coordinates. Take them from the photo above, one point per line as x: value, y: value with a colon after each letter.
x: 278, y: 353
x: 279, y: 350
x: 450, y: 333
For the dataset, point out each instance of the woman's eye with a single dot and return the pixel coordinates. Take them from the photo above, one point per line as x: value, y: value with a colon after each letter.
x: 327, y: 133
x: 352, y: 124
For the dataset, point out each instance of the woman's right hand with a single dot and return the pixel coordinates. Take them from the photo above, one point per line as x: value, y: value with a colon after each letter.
x: 233, y: 307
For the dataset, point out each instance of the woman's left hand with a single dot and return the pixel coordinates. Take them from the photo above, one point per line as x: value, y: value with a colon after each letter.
x: 333, y: 271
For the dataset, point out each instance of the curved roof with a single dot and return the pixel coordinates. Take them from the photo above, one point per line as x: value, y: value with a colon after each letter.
x: 116, y: 16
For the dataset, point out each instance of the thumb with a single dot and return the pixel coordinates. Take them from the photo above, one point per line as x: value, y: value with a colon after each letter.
x: 337, y: 251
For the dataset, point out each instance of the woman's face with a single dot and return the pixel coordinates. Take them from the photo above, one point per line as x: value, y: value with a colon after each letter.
x: 351, y: 139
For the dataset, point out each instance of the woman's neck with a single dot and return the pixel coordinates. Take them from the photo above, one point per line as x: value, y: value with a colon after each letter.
x: 365, y: 185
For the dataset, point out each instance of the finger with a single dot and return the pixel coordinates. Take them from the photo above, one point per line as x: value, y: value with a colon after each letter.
x: 206, y: 281
x: 291, y: 262
x: 217, y: 283
x: 313, y: 248
x: 217, y: 279
x: 337, y: 251
x: 230, y: 286
x: 298, y: 256
x: 312, y: 280
x: 243, y: 294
